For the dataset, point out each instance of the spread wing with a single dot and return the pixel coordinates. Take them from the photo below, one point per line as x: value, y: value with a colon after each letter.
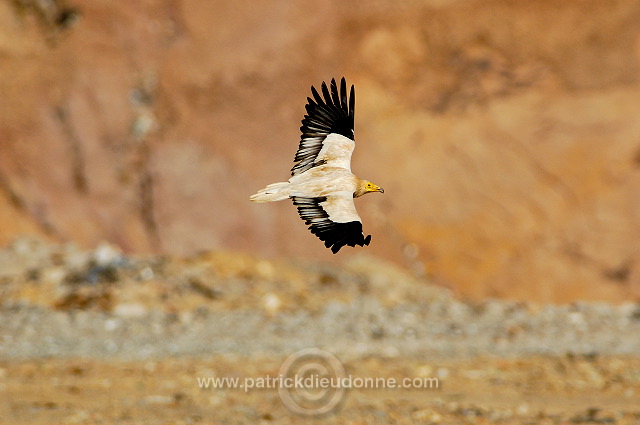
x: 333, y: 219
x: 327, y: 129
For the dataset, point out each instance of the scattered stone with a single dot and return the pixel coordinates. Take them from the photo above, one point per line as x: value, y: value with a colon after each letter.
x: 158, y: 399
x: 271, y: 303
x: 130, y: 310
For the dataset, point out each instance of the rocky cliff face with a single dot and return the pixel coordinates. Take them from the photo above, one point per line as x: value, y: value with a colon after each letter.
x: 506, y: 134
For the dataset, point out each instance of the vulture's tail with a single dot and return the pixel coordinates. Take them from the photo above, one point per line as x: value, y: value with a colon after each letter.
x: 273, y: 192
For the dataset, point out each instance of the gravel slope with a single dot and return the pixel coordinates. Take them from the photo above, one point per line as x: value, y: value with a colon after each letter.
x: 60, y: 301
x: 98, y: 337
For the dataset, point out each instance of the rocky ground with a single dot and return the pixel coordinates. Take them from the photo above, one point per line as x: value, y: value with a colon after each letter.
x: 101, y: 337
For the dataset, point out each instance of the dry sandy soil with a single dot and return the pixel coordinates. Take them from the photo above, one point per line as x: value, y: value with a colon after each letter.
x: 90, y: 337
x: 532, y: 390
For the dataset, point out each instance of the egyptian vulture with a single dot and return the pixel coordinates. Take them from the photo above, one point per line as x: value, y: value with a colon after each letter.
x: 321, y: 184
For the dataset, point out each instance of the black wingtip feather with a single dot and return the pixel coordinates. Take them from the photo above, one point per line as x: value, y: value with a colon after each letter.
x: 352, y: 102
x: 334, y: 235
x: 343, y: 94
x: 317, y: 96
x: 328, y: 111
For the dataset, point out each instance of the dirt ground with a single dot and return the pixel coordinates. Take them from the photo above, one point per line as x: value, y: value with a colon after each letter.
x: 91, y: 337
x: 482, y: 390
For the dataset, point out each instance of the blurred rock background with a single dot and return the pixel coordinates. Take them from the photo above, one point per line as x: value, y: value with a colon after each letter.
x: 506, y: 133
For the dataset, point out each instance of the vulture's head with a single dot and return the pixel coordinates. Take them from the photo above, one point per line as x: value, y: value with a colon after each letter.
x: 367, y: 187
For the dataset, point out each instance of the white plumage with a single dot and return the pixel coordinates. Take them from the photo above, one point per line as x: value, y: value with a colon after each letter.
x: 321, y: 184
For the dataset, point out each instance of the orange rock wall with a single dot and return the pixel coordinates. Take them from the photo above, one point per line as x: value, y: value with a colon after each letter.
x: 506, y: 133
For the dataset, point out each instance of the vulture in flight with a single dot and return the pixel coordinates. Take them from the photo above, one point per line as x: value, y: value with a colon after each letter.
x: 322, y: 185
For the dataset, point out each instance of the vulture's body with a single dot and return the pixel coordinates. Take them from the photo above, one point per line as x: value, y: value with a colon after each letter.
x: 322, y: 185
